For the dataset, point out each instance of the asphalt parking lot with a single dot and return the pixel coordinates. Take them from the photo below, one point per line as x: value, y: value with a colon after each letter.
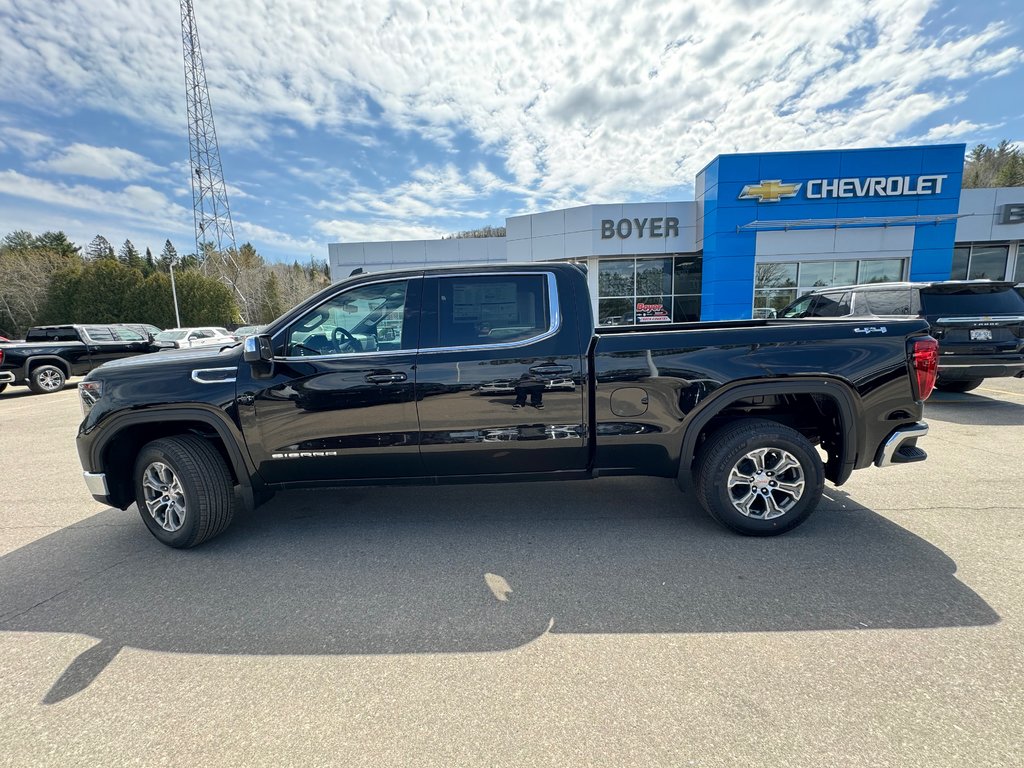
x: 590, y: 623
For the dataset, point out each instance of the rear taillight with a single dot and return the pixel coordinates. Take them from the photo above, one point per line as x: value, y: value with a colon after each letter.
x: 925, y: 356
x: 1, y: 357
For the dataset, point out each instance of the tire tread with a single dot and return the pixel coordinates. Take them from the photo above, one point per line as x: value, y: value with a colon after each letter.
x: 203, y: 465
x: 712, y: 455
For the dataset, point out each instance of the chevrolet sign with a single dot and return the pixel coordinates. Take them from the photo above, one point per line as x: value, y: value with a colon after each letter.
x: 771, y: 191
x: 875, y: 186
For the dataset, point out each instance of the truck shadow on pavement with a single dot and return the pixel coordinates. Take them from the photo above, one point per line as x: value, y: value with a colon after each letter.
x: 974, y: 409
x: 470, y: 569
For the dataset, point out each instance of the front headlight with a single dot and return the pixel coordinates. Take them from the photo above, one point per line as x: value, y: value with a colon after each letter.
x: 89, y: 392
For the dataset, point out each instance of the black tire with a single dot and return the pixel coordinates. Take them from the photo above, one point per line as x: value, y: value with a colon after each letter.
x: 3, y: 387
x: 957, y: 385
x: 205, y: 487
x: 728, y: 448
x: 46, y: 379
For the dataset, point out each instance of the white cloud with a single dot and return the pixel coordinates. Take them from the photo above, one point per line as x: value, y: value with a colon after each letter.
x: 375, y: 230
x: 431, y: 192
x: 109, y: 163
x: 951, y: 131
x: 581, y: 101
x: 134, y: 202
x: 279, y: 241
x: 28, y: 143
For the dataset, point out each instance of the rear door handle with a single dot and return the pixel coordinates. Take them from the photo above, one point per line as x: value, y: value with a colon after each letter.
x: 547, y: 370
x: 385, y: 378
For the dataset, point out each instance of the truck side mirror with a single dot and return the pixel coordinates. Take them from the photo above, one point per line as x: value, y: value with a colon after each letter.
x: 257, y: 349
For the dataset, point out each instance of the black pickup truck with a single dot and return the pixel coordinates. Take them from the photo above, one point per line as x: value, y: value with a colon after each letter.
x: 50, y: 354
x: 496, y: 374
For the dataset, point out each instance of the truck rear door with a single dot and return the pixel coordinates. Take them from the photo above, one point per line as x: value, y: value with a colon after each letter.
x: 499, y: 376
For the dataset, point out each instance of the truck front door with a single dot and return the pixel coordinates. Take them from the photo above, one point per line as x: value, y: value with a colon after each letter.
x: 339, y: 401
x: 499, y: 384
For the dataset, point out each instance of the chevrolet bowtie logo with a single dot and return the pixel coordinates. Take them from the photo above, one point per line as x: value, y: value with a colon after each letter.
x: 769, y: 191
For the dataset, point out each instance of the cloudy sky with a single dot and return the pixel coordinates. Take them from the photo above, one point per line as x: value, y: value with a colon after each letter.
x: 400, y: 120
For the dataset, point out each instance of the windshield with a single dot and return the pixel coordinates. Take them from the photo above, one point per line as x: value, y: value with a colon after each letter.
x: 973, y: 302
x: 171, y: 335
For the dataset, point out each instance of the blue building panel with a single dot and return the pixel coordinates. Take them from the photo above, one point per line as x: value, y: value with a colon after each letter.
x: 799, y: 166
x: 928, y: 236
x: 897, y: 161
x: 931, y: 264
x: 833, y: 187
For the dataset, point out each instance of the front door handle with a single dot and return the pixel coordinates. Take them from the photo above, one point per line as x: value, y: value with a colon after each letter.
x: 547, y: 370
x: 385, y: 378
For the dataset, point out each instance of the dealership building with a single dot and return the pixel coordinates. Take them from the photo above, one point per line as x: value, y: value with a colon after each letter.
x: 763, y: 229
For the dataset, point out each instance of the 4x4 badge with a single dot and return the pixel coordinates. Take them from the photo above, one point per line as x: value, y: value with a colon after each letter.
x: 871, y: 329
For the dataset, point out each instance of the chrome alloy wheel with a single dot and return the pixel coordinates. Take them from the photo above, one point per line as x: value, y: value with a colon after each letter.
x: 51, y: 381
x: 766, y: 483
x: 165, y: 499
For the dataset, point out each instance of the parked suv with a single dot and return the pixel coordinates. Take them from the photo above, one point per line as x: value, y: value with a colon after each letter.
x: 979, y: 323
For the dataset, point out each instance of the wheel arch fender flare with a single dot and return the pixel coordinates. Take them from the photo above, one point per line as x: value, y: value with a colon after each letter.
x: 228, y: 433
x: 837, y: 390
x: 54, y: 360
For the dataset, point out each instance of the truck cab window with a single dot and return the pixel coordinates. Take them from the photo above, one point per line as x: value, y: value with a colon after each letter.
x: 367, y: 318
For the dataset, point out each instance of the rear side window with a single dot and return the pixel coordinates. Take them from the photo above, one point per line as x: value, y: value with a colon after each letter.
x: 127, y: 334
x: 831, y: 305
x: 485, y: 309
x: 896, y: 301
x: 99, y: 333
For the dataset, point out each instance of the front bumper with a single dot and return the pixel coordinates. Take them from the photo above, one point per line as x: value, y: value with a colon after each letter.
x: 900, y: 447
x: 96, y: 482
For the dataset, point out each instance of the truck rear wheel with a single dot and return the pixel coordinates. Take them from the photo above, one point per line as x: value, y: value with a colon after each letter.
x: 183, y: 490
x: 759, y: 477
x: 45, y: 379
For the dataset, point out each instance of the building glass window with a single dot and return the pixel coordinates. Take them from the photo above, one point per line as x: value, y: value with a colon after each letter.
x: 777, y: 284
x: 980, y: 262
x: 642, y: 291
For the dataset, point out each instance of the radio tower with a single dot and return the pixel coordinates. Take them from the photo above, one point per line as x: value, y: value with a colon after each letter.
x: 210, y: 209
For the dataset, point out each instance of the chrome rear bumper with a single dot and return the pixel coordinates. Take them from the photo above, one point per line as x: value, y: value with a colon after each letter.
x: 6, y: 377
x: 900, y: 447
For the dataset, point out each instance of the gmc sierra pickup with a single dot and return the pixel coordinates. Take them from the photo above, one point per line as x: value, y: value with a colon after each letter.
x: 496, y: 373
x: 50, y: 354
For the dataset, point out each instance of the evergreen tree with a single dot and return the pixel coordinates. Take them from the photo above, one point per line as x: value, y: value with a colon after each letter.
x: 57, y: 243
x: 999, y: 166
x: 100, y: 248
x: 150, y: 265
x: 129, y: 256
x: 168, y: 256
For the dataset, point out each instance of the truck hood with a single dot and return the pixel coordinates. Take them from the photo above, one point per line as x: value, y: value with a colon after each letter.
x: 211, y: 357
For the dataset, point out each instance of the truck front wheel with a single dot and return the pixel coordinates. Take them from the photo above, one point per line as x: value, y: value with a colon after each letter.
x: 759, y: 477
x: 183, y: 490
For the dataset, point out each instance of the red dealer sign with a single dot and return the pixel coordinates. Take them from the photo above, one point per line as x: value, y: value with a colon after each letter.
x: 651, y: 313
